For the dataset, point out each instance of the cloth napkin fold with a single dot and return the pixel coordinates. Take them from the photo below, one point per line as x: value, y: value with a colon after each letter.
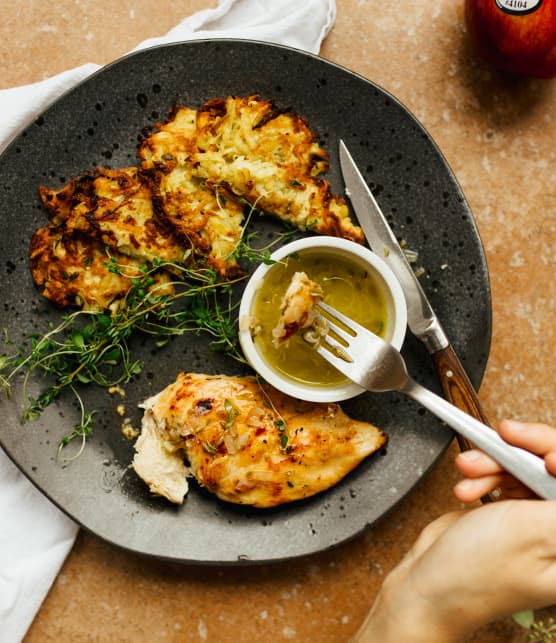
x: 35, y: 536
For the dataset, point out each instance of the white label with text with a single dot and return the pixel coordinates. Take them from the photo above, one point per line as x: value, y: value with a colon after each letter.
x: 519, y: 6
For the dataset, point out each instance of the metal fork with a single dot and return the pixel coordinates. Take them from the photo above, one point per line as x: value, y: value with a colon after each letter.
x: 374, y: 364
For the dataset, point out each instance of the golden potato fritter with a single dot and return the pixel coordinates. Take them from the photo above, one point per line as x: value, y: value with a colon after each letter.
x: 271, y: 160
x: 256, y: 129
x: 246, y: 444
x: 203, y: 217
x: 198, y: 172
x: 172, y: 141
x: 74, y: 271
x: 115, y: 208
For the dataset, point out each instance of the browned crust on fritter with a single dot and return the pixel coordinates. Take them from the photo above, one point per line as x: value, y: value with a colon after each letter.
x: 73, y: 271
x: 272, y: 160
x: 114, y: 207
x: 265, y: 132
x: 204, y: 217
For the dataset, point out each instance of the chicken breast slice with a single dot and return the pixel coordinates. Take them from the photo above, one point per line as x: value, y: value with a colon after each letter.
x: 248, y: 443
x: 297, y: 309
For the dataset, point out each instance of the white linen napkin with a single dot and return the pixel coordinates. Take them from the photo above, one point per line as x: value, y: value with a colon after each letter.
x: 35, y: 536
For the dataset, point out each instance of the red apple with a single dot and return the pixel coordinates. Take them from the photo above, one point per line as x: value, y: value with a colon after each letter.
x: 515, y: 35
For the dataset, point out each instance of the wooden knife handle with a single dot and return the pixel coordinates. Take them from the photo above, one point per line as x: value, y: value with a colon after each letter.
x: 460, y: 392
x: 456, y: 385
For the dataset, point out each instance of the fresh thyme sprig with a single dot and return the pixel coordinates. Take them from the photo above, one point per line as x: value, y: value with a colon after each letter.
x: 91, y: 347
x: 82, y: 430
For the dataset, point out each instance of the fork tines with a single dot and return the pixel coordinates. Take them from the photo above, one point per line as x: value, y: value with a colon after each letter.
x: 337, y: 340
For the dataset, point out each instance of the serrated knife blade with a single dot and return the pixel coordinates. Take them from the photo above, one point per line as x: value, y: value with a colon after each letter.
x: 422, y: 320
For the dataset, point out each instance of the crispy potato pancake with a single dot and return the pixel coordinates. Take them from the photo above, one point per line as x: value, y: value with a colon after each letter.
x: 246, y: 444
x: 271, y: 160
x: 204, y: 218
x: 74, y: 271
x: 172, y: 142
x: 256, y: 129
x: 199, y: 170
x: 115, y: 208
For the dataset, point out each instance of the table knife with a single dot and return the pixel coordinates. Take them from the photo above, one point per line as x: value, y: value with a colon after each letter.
x: 422, y: 320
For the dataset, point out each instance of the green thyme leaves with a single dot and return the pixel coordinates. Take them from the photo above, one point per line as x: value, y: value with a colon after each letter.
x: 231, y: 413
x: 92, y: 347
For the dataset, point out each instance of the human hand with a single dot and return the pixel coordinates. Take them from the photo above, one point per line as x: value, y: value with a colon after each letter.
x: 482, y: 474
x: 465, y: 570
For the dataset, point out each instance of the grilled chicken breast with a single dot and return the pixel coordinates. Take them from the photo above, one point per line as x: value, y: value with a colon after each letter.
x: 297, y: 309
x: 203, y: 217
x: 246, y: 442
x: 272, y: 160
x: 75, y: 271
x: 158, y: 461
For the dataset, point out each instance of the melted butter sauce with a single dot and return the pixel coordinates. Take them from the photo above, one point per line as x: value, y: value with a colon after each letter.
x: 347, y: 287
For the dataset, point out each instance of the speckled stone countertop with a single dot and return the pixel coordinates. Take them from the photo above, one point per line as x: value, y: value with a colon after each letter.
x: 498, y: 135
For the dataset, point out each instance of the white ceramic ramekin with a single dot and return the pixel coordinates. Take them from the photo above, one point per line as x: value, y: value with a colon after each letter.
x: 396, y: 323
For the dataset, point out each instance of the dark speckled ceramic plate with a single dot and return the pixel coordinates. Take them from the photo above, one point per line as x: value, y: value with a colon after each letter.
x: 99, y: 122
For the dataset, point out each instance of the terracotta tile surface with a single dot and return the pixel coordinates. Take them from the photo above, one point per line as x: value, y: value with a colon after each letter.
x: 498, y: 136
